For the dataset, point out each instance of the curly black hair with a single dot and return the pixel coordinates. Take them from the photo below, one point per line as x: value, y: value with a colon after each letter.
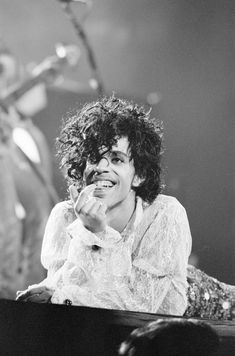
x: 172, y: 336
x: 101, y: 124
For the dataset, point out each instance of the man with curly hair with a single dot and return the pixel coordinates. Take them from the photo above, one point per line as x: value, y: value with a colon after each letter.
x: 118, y: 242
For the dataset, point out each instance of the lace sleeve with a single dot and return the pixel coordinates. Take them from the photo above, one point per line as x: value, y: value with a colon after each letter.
x: 160, y: 265
x: 55, y: 244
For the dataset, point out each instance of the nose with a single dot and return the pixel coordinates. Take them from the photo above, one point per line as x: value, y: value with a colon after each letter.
x: 102, y: 165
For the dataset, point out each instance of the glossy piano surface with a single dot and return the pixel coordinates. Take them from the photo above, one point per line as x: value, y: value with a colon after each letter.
x: 47, y: 329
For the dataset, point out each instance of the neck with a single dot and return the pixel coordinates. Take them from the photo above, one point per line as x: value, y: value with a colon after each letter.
x: 119, y: 215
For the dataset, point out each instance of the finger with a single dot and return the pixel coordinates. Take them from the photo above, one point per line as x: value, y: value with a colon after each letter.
x: 80, y: 202
x: 84, y: 196
x: 94, y: 209
x: 103, y: 209
x: 73, y: 193
x: 43, y: 297
x: 87, y: 207
x: 36, y: 298
x: 19, y: 292
x: 98, y: 208
x: 29, y: 292
x: 22, y: 296
x: 89, y: 189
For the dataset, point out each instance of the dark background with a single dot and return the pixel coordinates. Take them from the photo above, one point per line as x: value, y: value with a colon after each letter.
x: 178, y: 54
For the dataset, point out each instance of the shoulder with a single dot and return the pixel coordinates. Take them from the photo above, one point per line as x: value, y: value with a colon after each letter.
x: 55, y: 241
x: 167, y: 200
x: 163, y: 235
x: 62, y: 206
x: 164, y: 203
x: 61, y: 216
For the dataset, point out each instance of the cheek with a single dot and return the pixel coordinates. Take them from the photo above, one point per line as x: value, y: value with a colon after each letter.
x: 127, y: 179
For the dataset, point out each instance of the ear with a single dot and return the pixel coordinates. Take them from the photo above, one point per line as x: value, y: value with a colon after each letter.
x: 137, y: 181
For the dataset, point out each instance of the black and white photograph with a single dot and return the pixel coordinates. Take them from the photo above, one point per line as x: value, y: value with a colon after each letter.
x: 117, y: 177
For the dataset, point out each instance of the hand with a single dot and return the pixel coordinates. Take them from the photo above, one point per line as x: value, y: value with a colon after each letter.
x: 91, y: 210
x: 40, y: 294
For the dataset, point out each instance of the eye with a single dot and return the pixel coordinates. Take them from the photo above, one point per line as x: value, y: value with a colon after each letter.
x: 117, y: 160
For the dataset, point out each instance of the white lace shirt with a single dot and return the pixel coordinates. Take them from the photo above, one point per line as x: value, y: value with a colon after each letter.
x: 143, y: 268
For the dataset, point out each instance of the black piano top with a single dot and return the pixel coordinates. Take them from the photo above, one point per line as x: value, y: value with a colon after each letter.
x: 49, y: 329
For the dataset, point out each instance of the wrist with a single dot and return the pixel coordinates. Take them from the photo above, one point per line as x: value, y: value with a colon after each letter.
x: 98, y: 229
x: 101, y: 233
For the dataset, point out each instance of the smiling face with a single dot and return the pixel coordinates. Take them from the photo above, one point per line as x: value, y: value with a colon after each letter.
x: 114, y: 176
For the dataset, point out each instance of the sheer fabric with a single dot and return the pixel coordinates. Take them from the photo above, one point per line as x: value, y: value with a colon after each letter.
x: 142, y: 269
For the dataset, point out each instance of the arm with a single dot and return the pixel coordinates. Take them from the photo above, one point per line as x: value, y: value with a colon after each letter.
x: 55, y: 244
x: 160, y: 265
x: 54, y: 253
x: 58, y: 257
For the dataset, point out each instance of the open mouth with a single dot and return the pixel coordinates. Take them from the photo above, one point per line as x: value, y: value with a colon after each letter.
x: 104, y: 184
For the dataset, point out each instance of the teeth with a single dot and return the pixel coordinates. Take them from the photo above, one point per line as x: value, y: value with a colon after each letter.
x: 104, y: 183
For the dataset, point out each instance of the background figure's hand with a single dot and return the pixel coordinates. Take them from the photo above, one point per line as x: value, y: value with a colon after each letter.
x: 91, y: 210
x: 40, y: 294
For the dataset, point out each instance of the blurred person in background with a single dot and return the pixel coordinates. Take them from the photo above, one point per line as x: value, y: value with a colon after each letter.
x: 25, y: 202
x: 11, y: 224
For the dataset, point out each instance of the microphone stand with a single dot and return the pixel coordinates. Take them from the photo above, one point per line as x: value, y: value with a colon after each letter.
x: 96, y: 81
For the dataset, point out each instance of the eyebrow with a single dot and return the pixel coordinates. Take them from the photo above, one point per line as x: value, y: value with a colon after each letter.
x: 119, y: 152
x: 116, y: 152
